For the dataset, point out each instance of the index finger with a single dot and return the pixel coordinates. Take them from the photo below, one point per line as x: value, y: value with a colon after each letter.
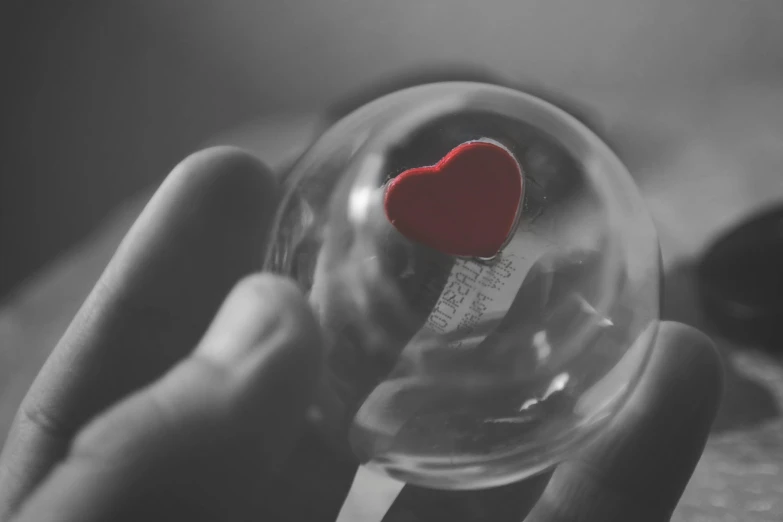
x: 201, y: 232
x: 638, y: 468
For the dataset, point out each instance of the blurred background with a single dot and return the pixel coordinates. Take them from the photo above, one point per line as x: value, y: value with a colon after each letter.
x: 99, y: 99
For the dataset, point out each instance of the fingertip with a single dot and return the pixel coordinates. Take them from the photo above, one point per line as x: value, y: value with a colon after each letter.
x: 673, y: 406
x: 207, y: 222
x: 227, y: 162
x: 685, y: 361
x: 283, y: 301
x: 264, y: 316
x: 644, y: 459
x: 228, y: 179
x: 283, y: 291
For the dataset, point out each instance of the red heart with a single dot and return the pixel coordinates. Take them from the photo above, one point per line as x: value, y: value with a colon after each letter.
x: 465, y: 205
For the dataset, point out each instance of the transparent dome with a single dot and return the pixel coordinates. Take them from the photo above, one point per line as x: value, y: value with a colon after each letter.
x: 486, y: 277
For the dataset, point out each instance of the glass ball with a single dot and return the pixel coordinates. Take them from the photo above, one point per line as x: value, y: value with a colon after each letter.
x: 486, y: 278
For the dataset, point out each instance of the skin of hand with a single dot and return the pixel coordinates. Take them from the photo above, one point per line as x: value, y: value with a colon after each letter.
x: 167, y: 400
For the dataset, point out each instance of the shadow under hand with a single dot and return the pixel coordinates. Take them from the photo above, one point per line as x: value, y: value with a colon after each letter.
x: 746, y: 403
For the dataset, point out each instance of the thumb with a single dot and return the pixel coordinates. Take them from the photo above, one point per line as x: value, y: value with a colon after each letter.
x: 200, y: 443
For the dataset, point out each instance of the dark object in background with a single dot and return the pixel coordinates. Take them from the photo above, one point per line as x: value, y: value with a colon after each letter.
x: 741, y: 281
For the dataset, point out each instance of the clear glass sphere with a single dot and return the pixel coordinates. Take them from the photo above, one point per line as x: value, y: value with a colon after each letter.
x: 486, y: 278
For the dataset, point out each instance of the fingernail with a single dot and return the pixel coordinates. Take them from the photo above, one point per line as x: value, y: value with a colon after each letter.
x: 260, y: 313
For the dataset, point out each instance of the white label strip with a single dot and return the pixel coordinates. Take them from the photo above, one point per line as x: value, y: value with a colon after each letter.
x: 480, y: 291
x: 475, y: 292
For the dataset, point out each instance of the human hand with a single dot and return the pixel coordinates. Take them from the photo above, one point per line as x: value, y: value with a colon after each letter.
x: 141, y: 412
x: 636, y: 470
x: 127, y: 421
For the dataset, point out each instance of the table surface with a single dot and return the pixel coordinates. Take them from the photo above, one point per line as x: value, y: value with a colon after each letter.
x: 701, y: 160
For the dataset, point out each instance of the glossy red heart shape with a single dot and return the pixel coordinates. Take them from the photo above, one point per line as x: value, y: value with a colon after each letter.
x: 465, y: 205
